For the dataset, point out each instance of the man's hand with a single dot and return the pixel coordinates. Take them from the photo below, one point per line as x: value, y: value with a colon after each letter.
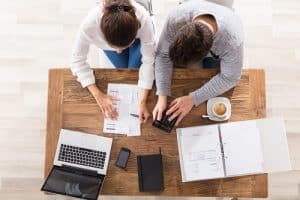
x: 105, y: 102
x: 144, y: 114
x: 180, y: 107
x: 160, y: 107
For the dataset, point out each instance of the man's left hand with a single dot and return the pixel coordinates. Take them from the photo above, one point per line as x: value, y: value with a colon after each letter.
x: 180, y: 107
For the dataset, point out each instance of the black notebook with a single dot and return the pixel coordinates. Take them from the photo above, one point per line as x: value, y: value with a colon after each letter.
x: 150, y: 172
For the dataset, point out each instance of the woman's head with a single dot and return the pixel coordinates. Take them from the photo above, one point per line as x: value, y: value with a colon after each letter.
x: 119, y: 23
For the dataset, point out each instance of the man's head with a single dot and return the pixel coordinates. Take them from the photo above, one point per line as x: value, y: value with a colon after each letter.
x: 192, y: 43
x: 119, y: 23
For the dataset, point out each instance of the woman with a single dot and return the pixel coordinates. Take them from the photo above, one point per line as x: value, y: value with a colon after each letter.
x: 124, y: 31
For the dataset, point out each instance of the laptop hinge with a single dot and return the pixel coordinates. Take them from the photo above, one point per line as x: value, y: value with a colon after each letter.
x: 78, y: 170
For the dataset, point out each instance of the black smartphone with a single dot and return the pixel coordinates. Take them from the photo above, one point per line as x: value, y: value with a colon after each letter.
x: 123, y: 158
x: 164, y: 124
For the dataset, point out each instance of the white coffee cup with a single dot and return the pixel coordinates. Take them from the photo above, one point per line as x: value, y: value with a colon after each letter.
x: 220, y: 109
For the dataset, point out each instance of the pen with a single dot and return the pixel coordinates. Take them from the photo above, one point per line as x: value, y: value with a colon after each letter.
x: 134, y: 115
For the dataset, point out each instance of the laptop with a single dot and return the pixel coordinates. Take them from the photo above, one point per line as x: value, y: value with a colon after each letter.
x: 80, y: 165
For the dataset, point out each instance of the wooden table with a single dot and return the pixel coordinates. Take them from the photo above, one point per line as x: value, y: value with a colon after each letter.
x: 71, y: 107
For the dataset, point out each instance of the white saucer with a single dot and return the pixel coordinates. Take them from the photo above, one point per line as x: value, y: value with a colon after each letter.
x: 210, y: 104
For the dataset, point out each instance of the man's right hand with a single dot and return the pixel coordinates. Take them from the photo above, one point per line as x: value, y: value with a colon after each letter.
x: 160, y: 107
x: 105, y: 102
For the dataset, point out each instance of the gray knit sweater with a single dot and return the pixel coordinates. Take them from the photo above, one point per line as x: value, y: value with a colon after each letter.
x: 228, y: 45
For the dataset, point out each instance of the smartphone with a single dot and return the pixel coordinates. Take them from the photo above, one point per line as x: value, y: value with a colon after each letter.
x: 164, y: 124
x: 123, y: 158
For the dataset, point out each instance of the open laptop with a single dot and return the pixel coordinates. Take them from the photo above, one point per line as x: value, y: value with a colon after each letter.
x: 80, y: 165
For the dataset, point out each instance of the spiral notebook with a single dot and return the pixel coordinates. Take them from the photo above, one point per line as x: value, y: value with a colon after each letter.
x: 232, y: 149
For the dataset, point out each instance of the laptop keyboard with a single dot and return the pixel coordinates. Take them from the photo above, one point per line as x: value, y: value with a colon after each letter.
x: 82, y: 156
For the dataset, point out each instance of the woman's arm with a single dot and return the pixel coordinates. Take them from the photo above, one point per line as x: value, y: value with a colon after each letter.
x: 144, y: 114
x: 79, y: 64
x: 148, y: 46
x: 146, y: 71
x: 104, y: 101
x: 85, y: 75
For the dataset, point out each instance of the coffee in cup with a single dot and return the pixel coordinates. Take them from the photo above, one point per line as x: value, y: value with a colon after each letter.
x: 219, y: 109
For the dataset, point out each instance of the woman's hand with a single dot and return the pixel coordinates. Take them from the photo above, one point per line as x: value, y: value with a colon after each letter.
x: 144, y: 113
x: 160, y: 107
x: 180, y: 107
x: 105, y: 102
x: 143, y: 110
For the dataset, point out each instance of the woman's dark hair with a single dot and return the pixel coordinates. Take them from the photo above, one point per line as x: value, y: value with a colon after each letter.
x: 192, y: 43
x: 119, y: 23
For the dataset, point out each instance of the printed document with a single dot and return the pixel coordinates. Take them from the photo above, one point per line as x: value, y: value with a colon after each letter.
x: 128, y: 95
x: 242, y: 148
x: 201, y: 153
x: 218, y: 151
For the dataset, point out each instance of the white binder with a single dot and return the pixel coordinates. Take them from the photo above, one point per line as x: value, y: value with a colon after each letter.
x: 233, y: 149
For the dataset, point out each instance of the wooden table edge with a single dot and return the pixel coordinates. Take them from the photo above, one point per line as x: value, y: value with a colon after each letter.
x: 54, y: 105
x: 257, y: 76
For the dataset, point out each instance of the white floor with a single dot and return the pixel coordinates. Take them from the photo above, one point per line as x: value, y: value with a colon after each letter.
x: 36, y: 35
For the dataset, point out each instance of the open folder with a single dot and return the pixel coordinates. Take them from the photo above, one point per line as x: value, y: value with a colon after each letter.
x: 233, y: 149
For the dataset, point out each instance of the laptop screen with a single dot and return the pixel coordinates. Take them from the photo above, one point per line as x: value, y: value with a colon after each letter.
x: 74, y: 183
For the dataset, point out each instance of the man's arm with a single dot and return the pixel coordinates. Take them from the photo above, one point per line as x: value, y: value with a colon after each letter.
x: 163, y: 70
x: 163, y: 64
x: 229, y: 76
x: 231, y: 65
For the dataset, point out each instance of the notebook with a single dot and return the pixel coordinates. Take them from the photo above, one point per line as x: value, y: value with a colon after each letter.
x: 232, y: 149
x: 150, y: 173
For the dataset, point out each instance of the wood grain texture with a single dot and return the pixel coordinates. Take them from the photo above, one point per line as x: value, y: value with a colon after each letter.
x: 72, y: 107
x: 54, y: 114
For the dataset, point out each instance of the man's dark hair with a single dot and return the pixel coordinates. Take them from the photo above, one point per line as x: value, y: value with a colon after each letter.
x: 119, y: 23
x: 192, y: 43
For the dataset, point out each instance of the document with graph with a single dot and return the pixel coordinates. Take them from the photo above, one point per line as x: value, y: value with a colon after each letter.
x: 126, y: 123
x: 201, y: 153
x: 232, y: 149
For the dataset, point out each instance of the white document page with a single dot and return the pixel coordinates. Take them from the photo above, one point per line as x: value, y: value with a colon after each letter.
x: 242, y: 148
x: 128, y: 104
x: 201, y: 153
x: 274, y: 145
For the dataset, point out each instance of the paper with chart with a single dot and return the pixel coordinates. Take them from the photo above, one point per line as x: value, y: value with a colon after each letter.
x: 242, y: 148
x: 201, y: 156
x: 128, y: 104
x: 246, y: 147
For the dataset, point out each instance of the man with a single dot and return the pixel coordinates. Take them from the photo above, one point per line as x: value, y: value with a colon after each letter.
x: 194, y: 30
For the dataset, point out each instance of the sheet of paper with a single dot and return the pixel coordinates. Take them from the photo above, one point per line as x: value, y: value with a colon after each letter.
x: 274, y: 145
x: 242, y: 148
x: 128, y: 104
x: 201, y: 153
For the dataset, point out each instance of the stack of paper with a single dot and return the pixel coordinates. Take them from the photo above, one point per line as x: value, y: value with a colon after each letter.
x: 128, y: 104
